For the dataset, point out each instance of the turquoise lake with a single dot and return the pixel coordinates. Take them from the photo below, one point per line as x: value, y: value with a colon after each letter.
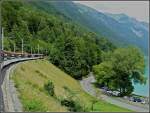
x: 143, y: 89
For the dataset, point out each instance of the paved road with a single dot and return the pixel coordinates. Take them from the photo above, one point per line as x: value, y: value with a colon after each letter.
x: 87, y: 86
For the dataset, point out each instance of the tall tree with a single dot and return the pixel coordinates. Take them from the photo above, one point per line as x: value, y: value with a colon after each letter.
x: 121, y: 68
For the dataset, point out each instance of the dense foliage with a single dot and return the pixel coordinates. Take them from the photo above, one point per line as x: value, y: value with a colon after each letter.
x: 68, y: 45
x: 120, y: 68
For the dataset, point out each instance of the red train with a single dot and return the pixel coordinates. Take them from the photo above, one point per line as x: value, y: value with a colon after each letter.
x: 10, y: 55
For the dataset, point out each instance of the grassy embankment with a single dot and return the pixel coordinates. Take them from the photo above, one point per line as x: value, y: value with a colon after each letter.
x: 30, y: 77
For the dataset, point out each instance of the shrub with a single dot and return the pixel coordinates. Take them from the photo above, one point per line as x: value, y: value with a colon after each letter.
x: 49, y: 87
x: 34, y: 105
x: 72, y: 105
x: 41, y: 74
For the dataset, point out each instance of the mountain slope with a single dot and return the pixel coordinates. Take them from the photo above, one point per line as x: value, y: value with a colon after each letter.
x: 136, y: 28
x: 30, y: 77
x: 125, y: 31
x: 62, y: 40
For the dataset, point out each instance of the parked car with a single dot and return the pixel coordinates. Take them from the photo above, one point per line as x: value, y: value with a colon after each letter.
x: 135, y: 99
x: 131, y: 99
x: 105, y: 88
x: 138, y: 100
x: 116, y: 93
x: 109, y: 92
x: 143, y: 102
x: 126, y: 97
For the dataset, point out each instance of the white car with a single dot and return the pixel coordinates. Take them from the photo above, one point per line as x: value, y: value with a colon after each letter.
x: 110, y: 92
x: 116, y: 93
x: 143, y: 102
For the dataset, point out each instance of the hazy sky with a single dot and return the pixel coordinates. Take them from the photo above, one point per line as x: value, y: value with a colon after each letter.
x: 136, y: 9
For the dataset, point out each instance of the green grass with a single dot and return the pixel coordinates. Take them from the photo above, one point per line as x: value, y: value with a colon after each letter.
x: 30, y: 77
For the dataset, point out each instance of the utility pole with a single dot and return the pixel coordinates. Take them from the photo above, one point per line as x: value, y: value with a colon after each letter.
x: 45, y: 51
x: 31, y: 52
x: 1, y: 57
x: 14, y: 47
x: 38, y: 49
x: 2, y: 39
x: 22, y: 45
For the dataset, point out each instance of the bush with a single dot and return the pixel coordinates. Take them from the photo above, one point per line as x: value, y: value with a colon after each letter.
x: 72, y: 105
x: 49, y: 87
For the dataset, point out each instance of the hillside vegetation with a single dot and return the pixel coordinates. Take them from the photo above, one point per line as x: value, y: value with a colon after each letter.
x: 57, y: 36
x: 30, y: 78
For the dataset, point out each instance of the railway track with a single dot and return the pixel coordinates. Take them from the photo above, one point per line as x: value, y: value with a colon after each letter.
x: 8, y: 59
